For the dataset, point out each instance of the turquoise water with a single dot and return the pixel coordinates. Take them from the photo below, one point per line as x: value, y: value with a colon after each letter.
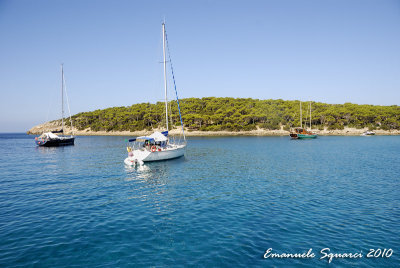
x: 224, y: 204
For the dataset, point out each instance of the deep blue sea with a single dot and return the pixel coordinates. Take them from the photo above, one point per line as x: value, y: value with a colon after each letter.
x: 223, y: 205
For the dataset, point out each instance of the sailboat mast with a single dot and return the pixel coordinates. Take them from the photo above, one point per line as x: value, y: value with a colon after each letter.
x: 310, y: 115
x: 301, y: 118
x: 62, y: 97
x: 165, y: 76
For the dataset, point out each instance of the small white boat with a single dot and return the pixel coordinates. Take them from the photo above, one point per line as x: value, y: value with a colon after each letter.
x: 158, y: 146
x: 368, y: 133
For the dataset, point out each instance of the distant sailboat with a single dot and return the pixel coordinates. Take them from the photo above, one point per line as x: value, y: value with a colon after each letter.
x: 300, y: 132
x: 49, y: 139
x: 157, y: 146
x: 368, y: 133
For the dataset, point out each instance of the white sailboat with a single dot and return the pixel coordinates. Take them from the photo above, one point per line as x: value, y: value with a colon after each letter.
x: 368, y: 133
x: 158, y: 145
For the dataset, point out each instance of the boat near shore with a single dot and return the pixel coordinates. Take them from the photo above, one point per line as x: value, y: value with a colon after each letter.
x: 302, y: 133
x: 368, y: 133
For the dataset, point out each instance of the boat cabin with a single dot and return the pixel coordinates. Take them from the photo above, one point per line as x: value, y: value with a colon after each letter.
x: 300, y: 130
x: 155, y: 142
x: 48, y: 136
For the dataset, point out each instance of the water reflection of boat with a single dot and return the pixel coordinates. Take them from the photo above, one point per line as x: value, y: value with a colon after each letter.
x: 157, y: 146
x: 51, y: 139
x: 155, y: 174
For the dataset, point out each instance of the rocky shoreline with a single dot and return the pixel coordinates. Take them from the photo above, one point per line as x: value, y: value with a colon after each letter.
x: 49, y: 126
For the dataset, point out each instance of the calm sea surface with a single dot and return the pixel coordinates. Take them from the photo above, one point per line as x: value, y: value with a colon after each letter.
x: 224, y: 204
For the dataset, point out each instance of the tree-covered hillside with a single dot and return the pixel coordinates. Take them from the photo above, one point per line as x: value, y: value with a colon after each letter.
x: 214, y: 114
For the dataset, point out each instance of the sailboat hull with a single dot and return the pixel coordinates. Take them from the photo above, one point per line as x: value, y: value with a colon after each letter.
x: 56, y: 142
x: 165, y: 155
x: 147, y: 156
x: 306, y: 136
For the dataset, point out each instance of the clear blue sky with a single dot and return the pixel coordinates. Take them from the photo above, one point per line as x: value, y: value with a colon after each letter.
x: 328, y: 51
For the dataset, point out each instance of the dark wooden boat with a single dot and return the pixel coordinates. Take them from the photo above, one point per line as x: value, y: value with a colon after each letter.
x: 300, y: 132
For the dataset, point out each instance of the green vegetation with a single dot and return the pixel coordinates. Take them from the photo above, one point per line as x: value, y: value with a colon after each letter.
x: 214, y: 114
